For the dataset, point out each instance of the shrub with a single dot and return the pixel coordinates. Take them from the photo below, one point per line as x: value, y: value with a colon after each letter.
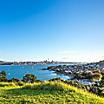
x: 30, y: 78
x: 3, y: 76
x: 15, y: 80
x: 96, y: 77
x: 56, y: 79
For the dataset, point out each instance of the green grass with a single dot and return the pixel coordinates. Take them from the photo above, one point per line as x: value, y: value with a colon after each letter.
x: 45, y: 93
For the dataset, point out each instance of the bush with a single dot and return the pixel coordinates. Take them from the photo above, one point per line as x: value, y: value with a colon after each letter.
x: 3, y: 76
x: 14, y: 80
x: 30, y: 78
x: 56, y: 79
x: 96, y: 77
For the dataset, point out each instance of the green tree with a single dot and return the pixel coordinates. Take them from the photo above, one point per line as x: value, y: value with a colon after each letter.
x: 30, y: 78
x: 3, y: 76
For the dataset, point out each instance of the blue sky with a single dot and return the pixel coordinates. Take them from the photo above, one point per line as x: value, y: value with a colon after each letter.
x: 62, y: 30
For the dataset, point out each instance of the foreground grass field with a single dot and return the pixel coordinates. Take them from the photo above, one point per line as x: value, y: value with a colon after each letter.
x: 45, y: 93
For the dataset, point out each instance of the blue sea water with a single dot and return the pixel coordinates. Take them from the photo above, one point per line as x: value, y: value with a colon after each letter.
x: 18, y: 71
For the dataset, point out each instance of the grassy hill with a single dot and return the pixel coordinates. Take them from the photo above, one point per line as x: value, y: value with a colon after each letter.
x: 45, y: 93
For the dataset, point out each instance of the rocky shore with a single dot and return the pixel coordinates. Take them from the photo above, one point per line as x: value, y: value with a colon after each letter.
x: 90, y: 71
x: 90, y: 75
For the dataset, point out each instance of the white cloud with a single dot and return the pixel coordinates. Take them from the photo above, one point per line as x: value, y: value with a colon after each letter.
x: 85, y: 56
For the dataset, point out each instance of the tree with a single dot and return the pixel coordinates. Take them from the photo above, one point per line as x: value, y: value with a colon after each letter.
x: 3, y: 76
x: 15, y: 80
x: 29, y: 78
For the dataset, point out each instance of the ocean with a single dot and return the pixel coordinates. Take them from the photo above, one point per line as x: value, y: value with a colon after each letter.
x: 18, y: 71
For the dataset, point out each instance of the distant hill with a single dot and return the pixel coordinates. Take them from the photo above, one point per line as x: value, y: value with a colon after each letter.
x: 5, y: 63
x: 1, y: 61
x: 101, y: 63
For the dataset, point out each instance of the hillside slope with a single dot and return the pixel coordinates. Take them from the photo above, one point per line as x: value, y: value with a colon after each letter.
x: 45, y: 93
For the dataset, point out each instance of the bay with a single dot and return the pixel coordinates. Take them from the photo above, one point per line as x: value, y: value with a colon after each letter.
x: 18, y: 71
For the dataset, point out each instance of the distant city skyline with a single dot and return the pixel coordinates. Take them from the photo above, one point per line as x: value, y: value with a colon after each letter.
x: 61, y: 30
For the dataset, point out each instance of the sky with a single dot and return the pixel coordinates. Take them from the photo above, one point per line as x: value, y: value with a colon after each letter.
x: 61, y: 30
